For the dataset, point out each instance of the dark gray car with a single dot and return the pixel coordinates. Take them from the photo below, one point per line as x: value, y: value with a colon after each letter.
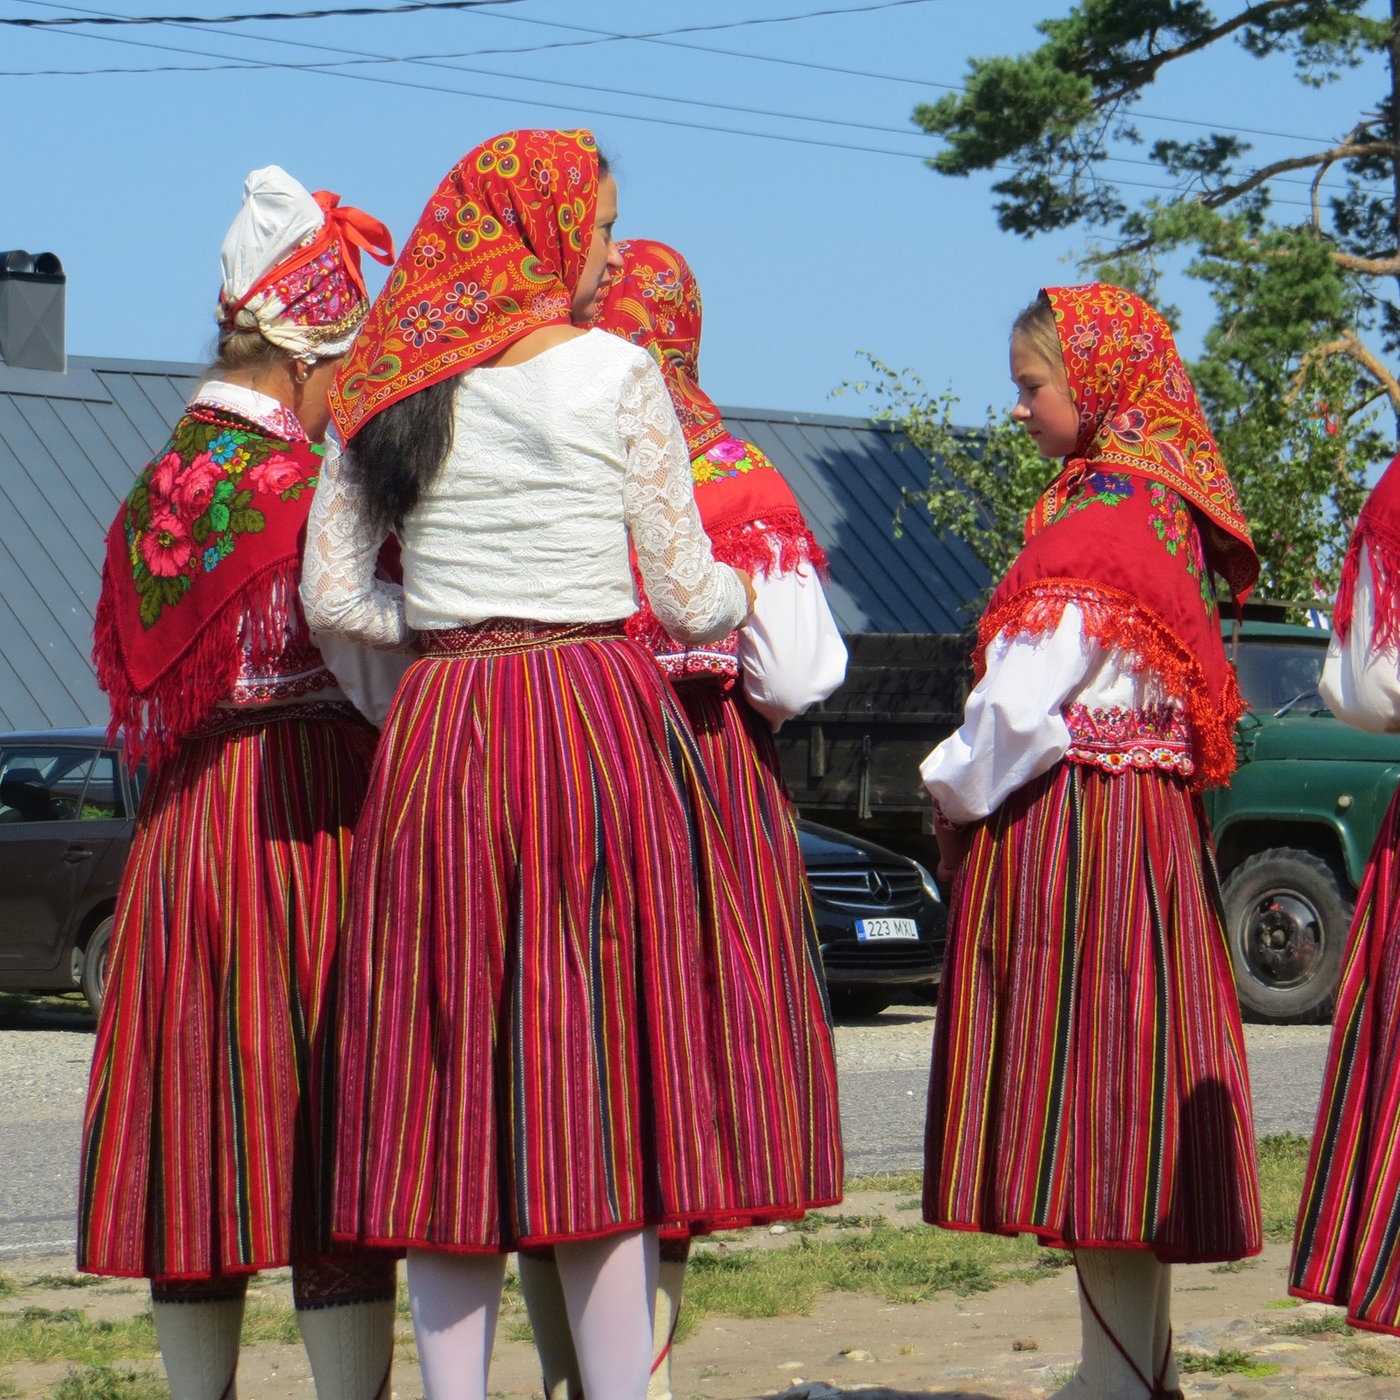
x: 67, y: 808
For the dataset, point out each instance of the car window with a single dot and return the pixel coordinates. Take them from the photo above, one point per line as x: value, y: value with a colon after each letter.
x: 1275, y: 670
x: 51, y: 784
x: 102, y: 798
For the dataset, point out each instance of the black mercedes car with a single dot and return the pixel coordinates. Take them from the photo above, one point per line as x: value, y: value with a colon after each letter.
x: 880, y: 920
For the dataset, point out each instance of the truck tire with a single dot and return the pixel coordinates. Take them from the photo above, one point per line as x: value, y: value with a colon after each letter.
x: 1286, y: 918
x: 94, y: 975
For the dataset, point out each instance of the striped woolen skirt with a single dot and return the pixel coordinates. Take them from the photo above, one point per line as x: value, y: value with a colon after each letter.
x: 530, y: 1023
x: 208, y: 1093
x: 1088, y: 1083
x: 778, y: 928
x: 1347, y: 1246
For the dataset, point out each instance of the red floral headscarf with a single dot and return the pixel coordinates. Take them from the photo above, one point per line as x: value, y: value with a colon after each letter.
x: 1138, y: 521
x: 496, y: 254
x: 749, y: 512
x: 1138, y: 413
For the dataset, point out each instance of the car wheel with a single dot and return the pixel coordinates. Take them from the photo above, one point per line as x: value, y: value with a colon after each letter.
x: 94, y: 978
x: 1286, y: 916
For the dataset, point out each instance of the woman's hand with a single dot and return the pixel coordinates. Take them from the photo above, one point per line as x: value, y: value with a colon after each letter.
x: 750, y: 594
x: 952, y: 848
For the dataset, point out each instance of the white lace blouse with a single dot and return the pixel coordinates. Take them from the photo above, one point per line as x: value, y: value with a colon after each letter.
x: 554, y: 463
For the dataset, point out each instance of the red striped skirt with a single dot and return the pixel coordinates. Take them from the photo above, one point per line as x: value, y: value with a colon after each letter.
x: 531, y: 1028
x: 208, y: 1092
x: 1347, y: 1246
x: 1088, y: 1083
x: 779, y: 929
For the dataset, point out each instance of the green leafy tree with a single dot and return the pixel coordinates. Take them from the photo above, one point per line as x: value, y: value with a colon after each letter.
x: 1295, y: 373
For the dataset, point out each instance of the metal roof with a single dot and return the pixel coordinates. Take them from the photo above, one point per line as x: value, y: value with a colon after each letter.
x: 71, y: 443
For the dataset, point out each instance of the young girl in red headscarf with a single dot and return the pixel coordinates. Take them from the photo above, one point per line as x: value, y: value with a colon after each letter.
x: 540, y: 1046
x: 205, y: 1151
x: 1344, y: 1249
x: 736, y: 691
x: 1088, y: 1081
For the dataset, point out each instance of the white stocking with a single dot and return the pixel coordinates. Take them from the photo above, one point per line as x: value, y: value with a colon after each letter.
x: 199, y: 1347
x: 608, y: 1289
x: 549, y: 1321
x: 1162, y: 1349
x: 455, y: 1299
x: 350, y: 1347
x: 1118, y: 1303
x: 669, y: 1285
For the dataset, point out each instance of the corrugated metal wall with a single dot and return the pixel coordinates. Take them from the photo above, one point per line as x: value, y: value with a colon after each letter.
x: 71, y: 443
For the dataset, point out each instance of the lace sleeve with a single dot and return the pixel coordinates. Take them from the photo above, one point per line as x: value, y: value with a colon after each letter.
x: 339, y: 590
x: 694, y: 599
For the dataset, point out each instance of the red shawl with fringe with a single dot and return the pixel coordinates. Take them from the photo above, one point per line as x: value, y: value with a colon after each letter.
x: 749, y: 512
x: 201, y: 574
x: 1378, y: 533
x: 1139, y: 520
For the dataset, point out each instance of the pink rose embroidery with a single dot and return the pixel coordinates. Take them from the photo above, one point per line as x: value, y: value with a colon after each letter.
x: 167, y: 545
x: 275, y: 474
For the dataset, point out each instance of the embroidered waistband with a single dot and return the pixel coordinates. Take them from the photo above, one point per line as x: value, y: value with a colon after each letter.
x: 502, y: 636
x: 230, y: 719
x: 1116, y: 738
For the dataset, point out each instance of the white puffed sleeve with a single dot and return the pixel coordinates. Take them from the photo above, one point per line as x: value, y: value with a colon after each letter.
x: 339, y: 590
x: 790, y: 650
x: 1360, y: 683
x: 694, y: 598
x: 1013, y: 729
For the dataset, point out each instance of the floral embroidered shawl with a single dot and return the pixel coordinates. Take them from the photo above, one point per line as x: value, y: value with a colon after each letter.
x: 201, y: 572
x: 1138, y: 521
x: 496, y: 254
x: 745, y: 505
x: 1378, y: 533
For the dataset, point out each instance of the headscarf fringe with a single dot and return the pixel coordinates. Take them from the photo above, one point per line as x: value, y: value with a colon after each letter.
x: 260, y: 621
x: 1382, y: 545
x: 1118, y: 620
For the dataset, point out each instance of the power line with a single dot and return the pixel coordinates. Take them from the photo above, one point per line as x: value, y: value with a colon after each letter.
x: 21, y: 22
x: 597, y: 36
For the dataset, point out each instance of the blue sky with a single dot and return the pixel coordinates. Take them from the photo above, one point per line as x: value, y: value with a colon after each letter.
x: 779, y: 157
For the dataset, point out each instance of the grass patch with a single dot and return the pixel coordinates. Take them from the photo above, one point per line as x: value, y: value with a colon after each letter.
x: 1233, y: 1266
x: 1282, y: 1160
x: 265, y: 1321
x: 901, y: 1265
x: 912, y: 1182
x: 9, y: 1285
x: 1279, y: 1304
x: 1228, y: 1361
x: 1315, y: 1325
x: 105, y: 1383
x: 36, y: 1336
x: 1369, y: 1359
x: 816, y: 1220
x: 55, y: 1281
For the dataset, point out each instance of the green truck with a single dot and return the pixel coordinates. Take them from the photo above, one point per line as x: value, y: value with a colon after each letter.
x: 1292, y: 830
x: 1295, y: 825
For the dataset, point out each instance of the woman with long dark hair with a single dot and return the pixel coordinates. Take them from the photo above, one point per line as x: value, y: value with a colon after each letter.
x: 530, y: 1054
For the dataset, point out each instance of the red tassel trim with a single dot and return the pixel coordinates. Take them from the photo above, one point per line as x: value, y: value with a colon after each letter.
x: 256, y: 625
x: 1118, y: 620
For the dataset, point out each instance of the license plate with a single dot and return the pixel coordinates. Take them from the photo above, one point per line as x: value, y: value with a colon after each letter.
x: 869, y: 930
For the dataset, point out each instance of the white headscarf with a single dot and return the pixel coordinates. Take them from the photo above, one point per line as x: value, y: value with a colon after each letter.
x: 278, y: 218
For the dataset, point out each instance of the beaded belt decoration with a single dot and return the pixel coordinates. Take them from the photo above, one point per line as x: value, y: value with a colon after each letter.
x: 505, y: 636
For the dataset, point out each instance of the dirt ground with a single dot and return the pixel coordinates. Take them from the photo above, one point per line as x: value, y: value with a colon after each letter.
x: 1016, y: 1343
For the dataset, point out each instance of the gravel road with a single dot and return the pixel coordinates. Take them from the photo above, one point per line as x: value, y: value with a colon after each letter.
x: 883, y: 1066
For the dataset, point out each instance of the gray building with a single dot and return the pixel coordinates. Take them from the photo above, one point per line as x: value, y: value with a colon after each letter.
x: 74, y: 431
